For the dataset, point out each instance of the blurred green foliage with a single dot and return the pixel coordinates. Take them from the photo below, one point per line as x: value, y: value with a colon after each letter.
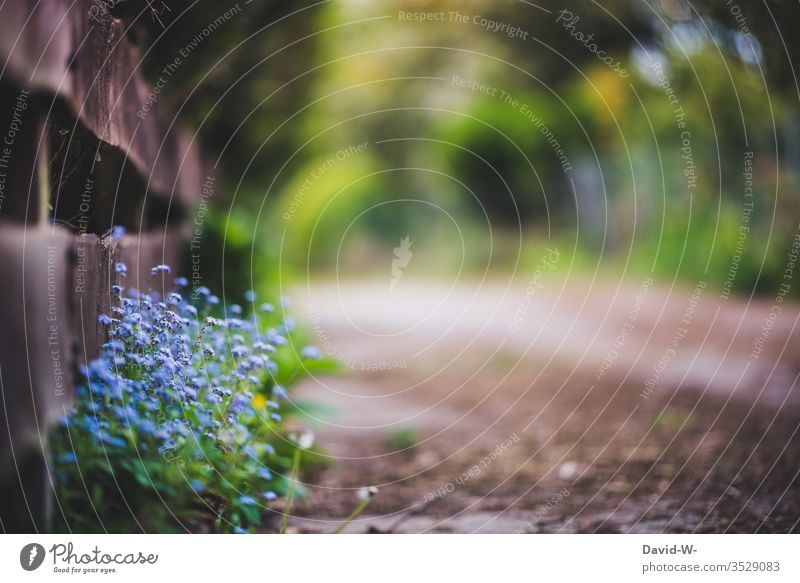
x: 401, y: 439
x: 481, y: 146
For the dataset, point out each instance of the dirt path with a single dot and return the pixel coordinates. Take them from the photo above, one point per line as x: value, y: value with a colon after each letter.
x: 561, y: 408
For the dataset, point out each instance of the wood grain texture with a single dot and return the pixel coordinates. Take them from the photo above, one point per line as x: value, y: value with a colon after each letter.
x: 73, y: 51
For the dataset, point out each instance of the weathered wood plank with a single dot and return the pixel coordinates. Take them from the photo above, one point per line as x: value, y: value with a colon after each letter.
x: 94, y: 274
x: 79, y: 52
x: 88, y: 299
x: 143, y: 252
x: 35, y: 375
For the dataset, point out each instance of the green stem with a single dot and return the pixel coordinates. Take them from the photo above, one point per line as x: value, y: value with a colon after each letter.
x: 353, y: 515
x: 290, y: 494
x: 43, y: 179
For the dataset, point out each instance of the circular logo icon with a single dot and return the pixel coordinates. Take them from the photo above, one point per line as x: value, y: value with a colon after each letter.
x: 31, y: 556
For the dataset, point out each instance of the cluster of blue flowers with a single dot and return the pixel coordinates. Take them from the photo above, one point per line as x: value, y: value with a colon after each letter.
x: 183, y: 406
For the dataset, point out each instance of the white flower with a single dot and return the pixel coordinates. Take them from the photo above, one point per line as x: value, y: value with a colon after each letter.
x: 305, y: 440
x: 367, y: 492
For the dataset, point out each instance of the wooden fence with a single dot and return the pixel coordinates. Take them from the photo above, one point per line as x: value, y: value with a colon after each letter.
x: 84, y: 145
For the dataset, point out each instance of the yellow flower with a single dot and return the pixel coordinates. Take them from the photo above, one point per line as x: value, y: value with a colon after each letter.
x: 259, y: 401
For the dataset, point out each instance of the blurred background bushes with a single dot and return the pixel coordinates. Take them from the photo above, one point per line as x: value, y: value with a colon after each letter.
x: 280, y: 90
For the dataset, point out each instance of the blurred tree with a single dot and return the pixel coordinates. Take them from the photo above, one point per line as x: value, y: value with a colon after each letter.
x: 771, y: 22
x: 243, y: 71
x: 513, y: 112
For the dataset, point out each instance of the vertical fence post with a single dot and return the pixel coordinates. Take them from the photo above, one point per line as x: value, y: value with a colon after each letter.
x: 35, y: 375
